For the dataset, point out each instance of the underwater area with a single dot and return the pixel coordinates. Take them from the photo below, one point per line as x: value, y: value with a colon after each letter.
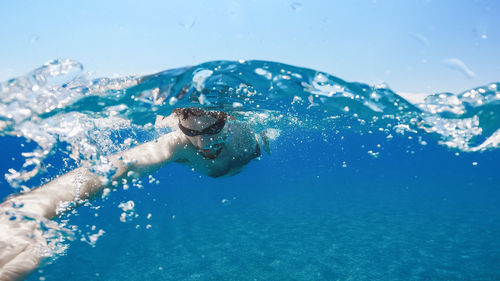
x: 361, y: 183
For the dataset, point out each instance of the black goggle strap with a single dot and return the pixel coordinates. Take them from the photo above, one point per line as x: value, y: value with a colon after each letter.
x: 188, y: 132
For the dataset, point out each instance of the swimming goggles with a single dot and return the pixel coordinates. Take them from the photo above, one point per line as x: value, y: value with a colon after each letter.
x: 210, y: 130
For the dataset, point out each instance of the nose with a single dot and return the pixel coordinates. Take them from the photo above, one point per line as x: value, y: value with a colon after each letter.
x: 204, y: 141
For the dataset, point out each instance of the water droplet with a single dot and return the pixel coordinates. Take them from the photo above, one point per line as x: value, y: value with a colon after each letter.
x: 421, y: 38
x: 34, y: 39
x: 481, y: 31
x: 296, y: 6
x: 187, y: 22
x: 459, y: 65
x: 17, y: 205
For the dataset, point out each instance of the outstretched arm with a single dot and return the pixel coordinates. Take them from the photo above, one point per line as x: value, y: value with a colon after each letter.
x: 22, y: 242
x: 80, y: 184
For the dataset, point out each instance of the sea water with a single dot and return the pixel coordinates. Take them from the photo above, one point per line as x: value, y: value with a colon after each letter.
x: 361, y: 183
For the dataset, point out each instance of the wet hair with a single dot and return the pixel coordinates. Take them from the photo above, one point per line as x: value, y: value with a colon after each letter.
x: 187, y: 112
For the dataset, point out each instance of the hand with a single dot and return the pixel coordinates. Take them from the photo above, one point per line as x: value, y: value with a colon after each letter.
x: 21, y: 244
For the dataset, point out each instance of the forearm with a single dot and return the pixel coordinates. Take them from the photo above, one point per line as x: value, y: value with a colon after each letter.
x: 80, y: 184
x: 44, y: 200
x: 146, y: 157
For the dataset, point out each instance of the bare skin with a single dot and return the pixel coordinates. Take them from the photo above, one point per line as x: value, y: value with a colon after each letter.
x: 22, y: 243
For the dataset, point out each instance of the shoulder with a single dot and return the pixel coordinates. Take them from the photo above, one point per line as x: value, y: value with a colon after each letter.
x: 242, y: 145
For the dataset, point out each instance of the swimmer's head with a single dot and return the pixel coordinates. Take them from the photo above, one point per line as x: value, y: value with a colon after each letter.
x: 194, y: 121
x: 205, y: 129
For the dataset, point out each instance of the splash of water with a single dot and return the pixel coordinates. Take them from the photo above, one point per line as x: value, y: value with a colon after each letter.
x: 60, y: 108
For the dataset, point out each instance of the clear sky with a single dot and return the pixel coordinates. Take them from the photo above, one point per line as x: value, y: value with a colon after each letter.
x: 422, y: 46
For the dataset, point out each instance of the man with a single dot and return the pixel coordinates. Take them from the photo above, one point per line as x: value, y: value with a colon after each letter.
x: 206, y: 141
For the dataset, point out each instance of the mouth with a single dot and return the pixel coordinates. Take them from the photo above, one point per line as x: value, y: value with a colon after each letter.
x: 210, y: 153
x: 214, y: 149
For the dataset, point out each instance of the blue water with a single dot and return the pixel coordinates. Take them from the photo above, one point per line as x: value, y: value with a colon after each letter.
x: 345, y: 194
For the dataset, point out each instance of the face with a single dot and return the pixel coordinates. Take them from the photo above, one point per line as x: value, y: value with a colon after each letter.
x: 208, y: 144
